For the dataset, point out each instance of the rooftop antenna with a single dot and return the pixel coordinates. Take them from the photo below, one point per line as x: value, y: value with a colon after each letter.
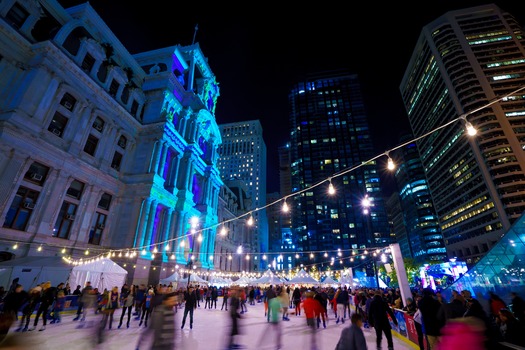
x: 195, y: 33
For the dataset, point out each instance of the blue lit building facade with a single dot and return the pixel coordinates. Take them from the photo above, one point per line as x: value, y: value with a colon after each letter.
x: 329, y: 133
x: 423, y: 240
x: 103, y: 150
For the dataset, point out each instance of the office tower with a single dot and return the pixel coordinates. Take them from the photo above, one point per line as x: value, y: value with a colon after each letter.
x: 397, y: 223
x: 243, y: 157
x: 233, y: 232
x: 104, y: 152
x: 420, y: 222
x: 330, y: 140
x: 285, y: 175
x: 470, y: 63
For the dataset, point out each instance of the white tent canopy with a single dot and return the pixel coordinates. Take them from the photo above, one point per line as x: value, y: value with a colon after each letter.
x: 329, y: 281
x: 33, y: 270
x: 268, y: 278
x: 102, y: 273
x: 194, y: 279
x: 170, y: 279
x: 243, y: 281
x: 219, y: 281
x: 302, y: 277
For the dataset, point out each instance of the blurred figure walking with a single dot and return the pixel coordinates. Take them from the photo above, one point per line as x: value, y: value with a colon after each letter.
x: 352, y: 337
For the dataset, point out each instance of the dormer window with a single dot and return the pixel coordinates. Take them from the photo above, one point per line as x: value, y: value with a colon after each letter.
x: 98, y: 124
x: 134, y: 108
x: 68, y: 101
x: 122, y: 142
x: 17, y: 15
x: 113, y: 88
x: 88, y: 63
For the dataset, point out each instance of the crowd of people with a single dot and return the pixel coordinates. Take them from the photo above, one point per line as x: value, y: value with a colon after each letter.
x: 440, y: 324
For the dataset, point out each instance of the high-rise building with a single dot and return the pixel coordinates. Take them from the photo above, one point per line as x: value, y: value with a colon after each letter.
x: 233, y: 232
x: 243, y: 157
x: 331, y: 145
x: 469, y: 65
x: 420, y: 222
x: 104, y: 152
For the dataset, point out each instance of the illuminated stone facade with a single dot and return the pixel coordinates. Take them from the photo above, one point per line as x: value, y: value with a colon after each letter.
x: 103, y: 150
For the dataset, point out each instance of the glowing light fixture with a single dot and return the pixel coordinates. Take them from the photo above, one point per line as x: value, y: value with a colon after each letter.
x: 250, y: 221
x: 223, y: 231
x: 331, y: 189
x: 285, y: 209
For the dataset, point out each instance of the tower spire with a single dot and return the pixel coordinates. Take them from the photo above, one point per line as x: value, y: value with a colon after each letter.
x: 195, y: 33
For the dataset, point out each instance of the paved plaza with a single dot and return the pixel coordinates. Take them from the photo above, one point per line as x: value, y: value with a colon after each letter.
x: 210, y: 332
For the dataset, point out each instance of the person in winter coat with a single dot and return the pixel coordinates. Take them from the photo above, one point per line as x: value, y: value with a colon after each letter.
x: 12, y: 304
x: 311, y: 308
x: 190, y: 303
x: 353, y: 338
x: 27, y: 311
x: 128, y: 299
x: 430, y: 309
x: 378, y: 318
x: 296, y: 297
x: 495, y: 304
x: 47, y: 299
x: 511, y: 329
x: 235, y: 305
x: 341, y: 300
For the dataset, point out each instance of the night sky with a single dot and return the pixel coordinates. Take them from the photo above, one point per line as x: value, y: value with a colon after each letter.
x: 259, y: 49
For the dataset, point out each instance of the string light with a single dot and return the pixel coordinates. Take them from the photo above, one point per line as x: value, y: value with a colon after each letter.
x: 285, y: 207
x: 331, y: 189
x: 15, y: 246
x: 469, y: 128
x: 223, y: 231
x: 39, y: 248
x: 390, y: 163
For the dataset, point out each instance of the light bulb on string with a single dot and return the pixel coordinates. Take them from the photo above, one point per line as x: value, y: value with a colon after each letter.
x: 199, y: 238
x: 155, y: 250
x: 331, y: 189
x: 167, y: 247
x: 471, y: 131
x: 285, y: 208
x: 250, y: 221
x: 390, y: 163
x: 223, y: 231
x: 39, y: 248
x: 15, y: 246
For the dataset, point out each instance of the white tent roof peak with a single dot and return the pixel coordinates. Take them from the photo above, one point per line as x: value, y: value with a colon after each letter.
x: 102, y: 265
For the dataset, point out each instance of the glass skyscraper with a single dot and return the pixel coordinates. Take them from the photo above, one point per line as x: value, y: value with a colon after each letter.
x: 331, y: 144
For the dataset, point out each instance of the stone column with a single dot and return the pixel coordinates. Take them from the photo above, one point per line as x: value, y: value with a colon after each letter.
x: 168, y: 212
x: 155, y: 157
x: 163, y: 159
x: 149, y: 226
x: 143, y: 223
